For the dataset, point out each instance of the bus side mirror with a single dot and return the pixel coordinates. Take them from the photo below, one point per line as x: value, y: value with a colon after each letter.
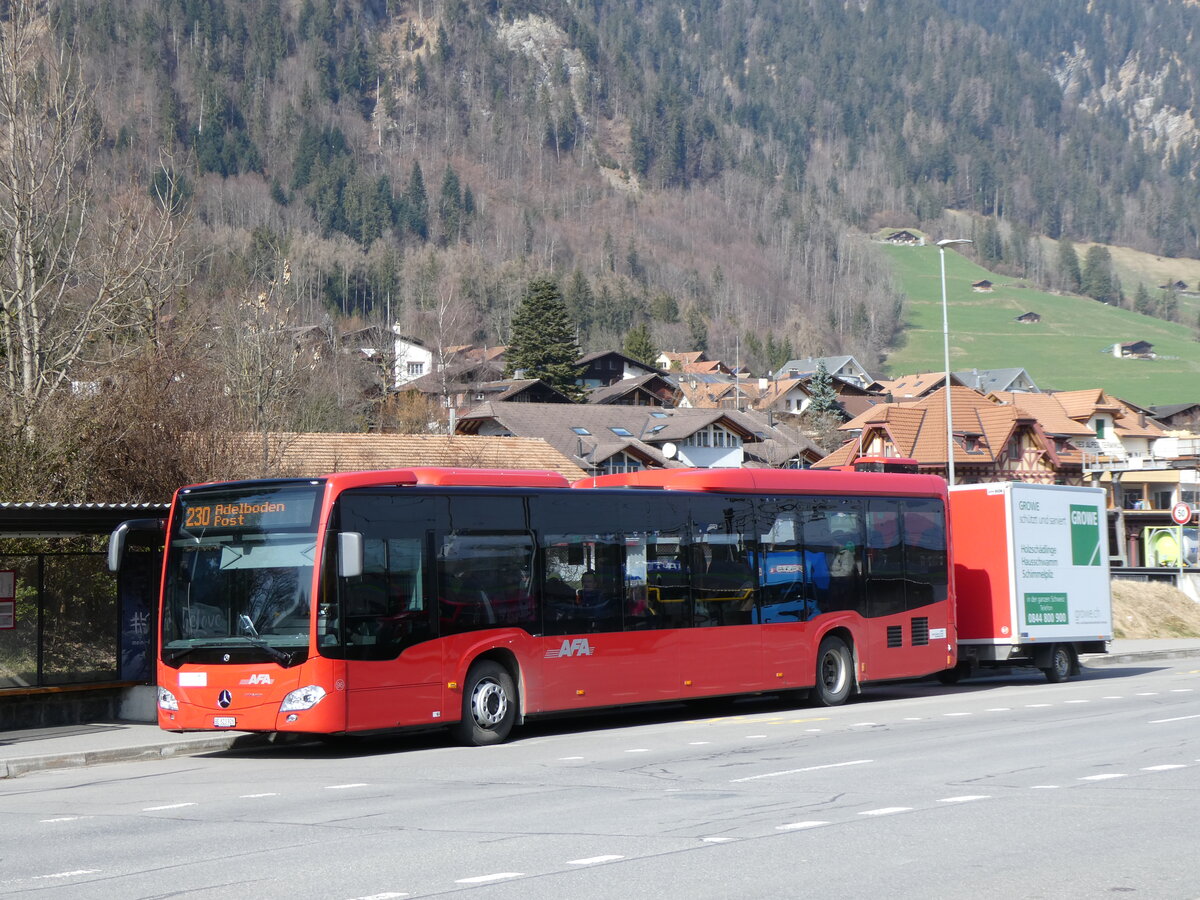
x: 116, y: 540
x: 350, y: 554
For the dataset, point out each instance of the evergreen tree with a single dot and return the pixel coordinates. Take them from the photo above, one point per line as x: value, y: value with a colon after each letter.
x: 639, y: 345
x: 542, y: 340
x: 581, y: 302
x: 1068, y: 265
x: 1096, y: 280
x: 1142, y: 302
x: 824, y: 397
x: 416, y: 204
x: 698, y: 329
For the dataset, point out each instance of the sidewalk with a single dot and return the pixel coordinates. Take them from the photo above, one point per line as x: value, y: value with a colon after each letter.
x: 32, y: 750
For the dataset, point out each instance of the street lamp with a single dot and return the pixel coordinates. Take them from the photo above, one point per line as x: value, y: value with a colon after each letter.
x: 942, y: 245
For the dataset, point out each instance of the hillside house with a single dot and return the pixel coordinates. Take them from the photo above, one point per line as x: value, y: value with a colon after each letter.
x: 1133, y: 350
x: 847, y: 368
x: 608, y: 367
x: 983, y: 286
x: 1029, y: 318
x: 906, y: 238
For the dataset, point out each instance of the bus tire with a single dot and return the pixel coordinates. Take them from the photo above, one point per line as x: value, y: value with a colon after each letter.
x: 1062, y: 662
x: 489, y: 705
x: 835, y: 673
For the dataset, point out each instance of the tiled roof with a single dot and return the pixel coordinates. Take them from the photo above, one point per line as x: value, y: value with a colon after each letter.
x: 316, y: 454
x: 1049, y: 412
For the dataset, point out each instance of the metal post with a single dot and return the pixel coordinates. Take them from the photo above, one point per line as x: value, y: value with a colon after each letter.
x: 942, y: 245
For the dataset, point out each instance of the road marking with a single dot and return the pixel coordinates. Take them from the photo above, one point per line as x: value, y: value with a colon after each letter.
x: 718, y: 840
x: 391, y: 895
x: 965, y: 798
x: 1175, y: 719
x: 950, y: 715
x: 813, y: 730
x: 592, y: 860
x: 913, y: 718
x: 168, y: 806
x: 568, y: 758
x: 1077, y: 701
x: 797, y: 826
x: 484, y: 879
x: 754, y: 737
x: 1113, y: 697
x: 856, y: 762
x: 1043, y: 787
x: 863, y: 725
x: 257, y: 796
x: 1146, y: 694
x: 1105, y: 777
x: 72, y: 874
x: 999, y: 709
x: 345, y: 787
x: 639, y: 750
x: 1181, y: 690
x: 1037, y: 705
x: 698, y: 743
x: 886, y: 811
x: 63, y: 819
x: 1164, y: 768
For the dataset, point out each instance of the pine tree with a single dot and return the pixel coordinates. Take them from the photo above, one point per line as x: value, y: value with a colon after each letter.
x: 542, y: 340
x: 824, y: 397
x: 1142, y: 301
x: 1096, y: 280
x: 639, y: 344
x: 1068, y: 265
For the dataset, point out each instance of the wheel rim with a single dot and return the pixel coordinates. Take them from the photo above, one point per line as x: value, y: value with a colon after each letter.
x: 1062, y: 663
x: 489, y: 703
x: 833, y: 672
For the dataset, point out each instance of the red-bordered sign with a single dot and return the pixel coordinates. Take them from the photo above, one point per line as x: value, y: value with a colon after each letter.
x: 1181, y: 514
x: 8, y: 599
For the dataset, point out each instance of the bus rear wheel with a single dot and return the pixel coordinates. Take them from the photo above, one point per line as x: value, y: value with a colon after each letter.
x: 489, y: 705
x: 835, y: 673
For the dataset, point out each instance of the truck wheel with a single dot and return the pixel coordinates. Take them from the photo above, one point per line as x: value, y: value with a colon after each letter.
x: 489, y: 705
x: 835, y: 674
x: 954, y: 676
x: 1062, y: 661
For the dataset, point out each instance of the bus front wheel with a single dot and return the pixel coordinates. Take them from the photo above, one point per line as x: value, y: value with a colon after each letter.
x: 489, y: 705
x: 835, y: 672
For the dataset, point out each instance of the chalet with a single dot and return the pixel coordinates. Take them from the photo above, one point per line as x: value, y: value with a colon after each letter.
x: 992, y: 441
x: 847, y: 368
x: 1178, y: 415
x: 913, y: 387
x: 905, y: 238
x: 983, y: 286
x: 609, y: 367
x: 670, y: 361
x: 645, y: 390
x: 1173, y: 286
x: 411, y: 359
x: 1029, y: 318
x: 1133, y: 350
x: 987, y: 381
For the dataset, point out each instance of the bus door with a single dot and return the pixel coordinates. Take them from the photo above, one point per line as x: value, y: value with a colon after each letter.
x: 888, y: 633
x: 723, y: 651
x: 382, y: 622
x: 793, y: 581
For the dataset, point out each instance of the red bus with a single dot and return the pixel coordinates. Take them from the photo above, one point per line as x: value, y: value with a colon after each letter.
x: 474, y: 598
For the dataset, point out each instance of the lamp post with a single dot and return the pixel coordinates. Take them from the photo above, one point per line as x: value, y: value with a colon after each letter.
x: 942, y: 245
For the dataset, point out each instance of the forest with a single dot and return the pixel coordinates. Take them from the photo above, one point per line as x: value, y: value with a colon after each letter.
x: 196, y: 189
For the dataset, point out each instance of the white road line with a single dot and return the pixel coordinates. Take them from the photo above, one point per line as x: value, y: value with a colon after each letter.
x: 592, y: 860
x: 1181, y: 690
x: 1043, y: 787
x: 952, y: 715
x: 62, y: 819
x: 72, y: 874
x: 698, y: 743
x: 863, y: 725
x: 1077, y: 701
x: 1112, y: 697
x: 1104, y: 777
x: 1037, y: 705
x: 344, y: 787
x: 257, y: 796
x: 639, y: 750
x: 856, y: 762
x: 569, y: 758
x: 1164, y: 768
x: 1175, y: 719
x: 1146, y: 694
x: 913, y: 719
x: 797, y: 826
x: 966, y: 798
x: 754, y: 737
x: 718, y: 840
x: 168, y: 806
x: 391, y: 895
x: 886, y: 811
x: 999, y: 709
x: 484, y: 879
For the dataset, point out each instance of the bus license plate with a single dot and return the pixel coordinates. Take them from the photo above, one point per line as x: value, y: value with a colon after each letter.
x: 224, y: 721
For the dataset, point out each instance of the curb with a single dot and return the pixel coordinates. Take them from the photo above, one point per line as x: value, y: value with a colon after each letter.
x: 1112, y: 659
x: 21, y: 765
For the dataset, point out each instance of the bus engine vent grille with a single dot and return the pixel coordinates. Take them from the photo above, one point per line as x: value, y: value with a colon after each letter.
x: 920, y: 632
x: 895, y: 636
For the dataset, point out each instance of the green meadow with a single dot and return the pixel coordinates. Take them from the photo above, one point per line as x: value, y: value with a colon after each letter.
x: 1068, y: 350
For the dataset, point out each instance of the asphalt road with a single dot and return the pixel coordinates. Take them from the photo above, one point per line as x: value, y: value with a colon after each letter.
x: 1003, y: 787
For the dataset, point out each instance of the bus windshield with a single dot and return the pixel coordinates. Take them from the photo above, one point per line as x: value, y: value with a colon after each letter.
x: 239, y: 575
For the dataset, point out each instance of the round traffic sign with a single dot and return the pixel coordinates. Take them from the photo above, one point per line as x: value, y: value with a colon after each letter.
x: 1181, y: 514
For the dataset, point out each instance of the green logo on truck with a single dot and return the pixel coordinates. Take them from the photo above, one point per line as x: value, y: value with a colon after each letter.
x: 1085, y: 536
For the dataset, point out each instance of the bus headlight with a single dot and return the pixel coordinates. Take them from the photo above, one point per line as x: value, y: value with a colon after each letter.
x: 303, y: 698
x: 166, y: 700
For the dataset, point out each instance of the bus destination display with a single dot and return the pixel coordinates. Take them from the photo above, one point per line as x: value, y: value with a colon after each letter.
x: 281, y: 509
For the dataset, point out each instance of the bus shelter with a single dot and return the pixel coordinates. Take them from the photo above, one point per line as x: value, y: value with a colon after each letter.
x: 66, y: 622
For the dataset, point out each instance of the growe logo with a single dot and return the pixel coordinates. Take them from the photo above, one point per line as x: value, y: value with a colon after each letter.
x: 577, y: 647
x: 257, y: 679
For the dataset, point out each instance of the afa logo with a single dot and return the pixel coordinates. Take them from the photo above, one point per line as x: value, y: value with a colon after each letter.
x: 577, y: 647
x: 258, y: 679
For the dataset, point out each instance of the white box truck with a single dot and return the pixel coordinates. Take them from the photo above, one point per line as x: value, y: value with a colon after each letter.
x: 1031, y: 576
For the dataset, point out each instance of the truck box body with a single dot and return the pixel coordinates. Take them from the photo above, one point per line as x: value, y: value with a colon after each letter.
x: 1030, y: 570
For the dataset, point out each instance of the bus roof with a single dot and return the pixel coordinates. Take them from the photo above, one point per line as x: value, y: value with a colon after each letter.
x: 449, y: 477
x: 773, y: 481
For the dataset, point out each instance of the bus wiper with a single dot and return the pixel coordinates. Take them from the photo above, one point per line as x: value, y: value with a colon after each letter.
x: 284, y: 659
x: 247, y: 625
x: 171, y: 654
